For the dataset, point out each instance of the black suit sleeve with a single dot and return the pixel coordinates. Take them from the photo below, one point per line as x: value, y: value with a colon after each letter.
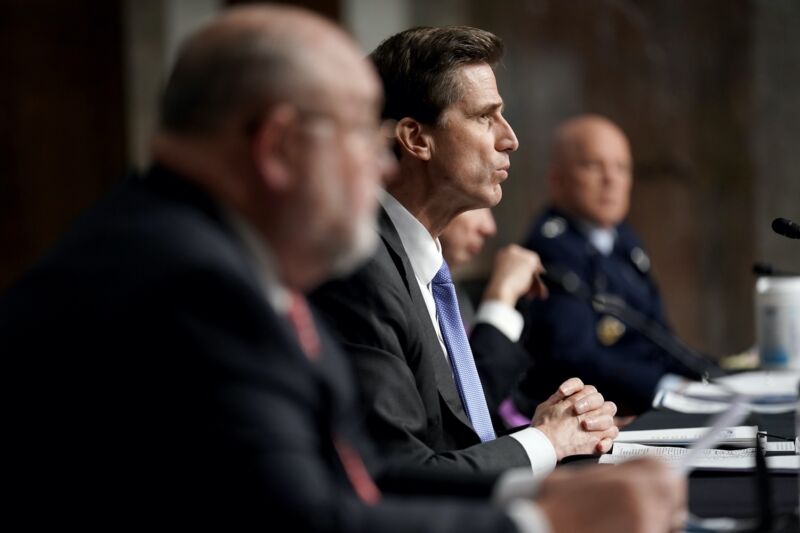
x: 500, y: 362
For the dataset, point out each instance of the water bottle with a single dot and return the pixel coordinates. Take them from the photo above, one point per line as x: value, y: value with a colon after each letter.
x: 777, y: 309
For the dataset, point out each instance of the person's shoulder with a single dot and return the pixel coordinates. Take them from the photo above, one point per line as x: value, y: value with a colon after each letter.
x: 550, y: 226
x: 144, y: 220
x: 161, y: 226
x: 631, y: 246
x: 549, y: 217
x: 377, y: 284
x: 186, y: 234
x: 556, y: 239
x: 628, y: 236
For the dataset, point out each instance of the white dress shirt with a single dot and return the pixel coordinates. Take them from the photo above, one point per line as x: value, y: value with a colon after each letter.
x: 502, y: 316
x: 601, y: 238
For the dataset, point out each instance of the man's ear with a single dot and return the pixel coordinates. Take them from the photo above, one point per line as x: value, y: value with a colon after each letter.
x: 272, y: 147
x: 413, y: 138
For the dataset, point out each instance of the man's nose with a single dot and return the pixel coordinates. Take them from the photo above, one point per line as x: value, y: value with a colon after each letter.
x: 507, y: 139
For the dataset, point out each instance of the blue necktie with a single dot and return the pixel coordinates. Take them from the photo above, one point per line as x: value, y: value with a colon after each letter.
x: 455, y: 340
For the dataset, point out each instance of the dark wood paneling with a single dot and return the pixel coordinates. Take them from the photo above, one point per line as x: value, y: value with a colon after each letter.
x: 677, y: 76
x: 62, y: 119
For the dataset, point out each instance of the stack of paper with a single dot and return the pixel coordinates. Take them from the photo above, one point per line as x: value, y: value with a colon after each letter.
x: 761, y: 385
x: 764, y: 392
x: 737, y: 436
x: 707, y: 459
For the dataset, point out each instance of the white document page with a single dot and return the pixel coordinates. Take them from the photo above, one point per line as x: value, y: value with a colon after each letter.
x: 742, y: 436
x: 707, y: 459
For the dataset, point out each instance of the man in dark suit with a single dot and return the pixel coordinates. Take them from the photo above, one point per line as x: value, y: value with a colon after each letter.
x: 165, y: 366
x: 394, y: 316
x: 496, y: 325
x: 583, y: 235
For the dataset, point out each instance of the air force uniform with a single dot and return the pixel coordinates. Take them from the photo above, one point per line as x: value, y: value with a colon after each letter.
x: 567, y: 337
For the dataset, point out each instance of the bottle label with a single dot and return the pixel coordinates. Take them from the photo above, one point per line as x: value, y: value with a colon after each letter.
x: 779, y: 336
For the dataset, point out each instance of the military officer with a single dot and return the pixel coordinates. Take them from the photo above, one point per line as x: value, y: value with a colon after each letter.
x: 582, y: 240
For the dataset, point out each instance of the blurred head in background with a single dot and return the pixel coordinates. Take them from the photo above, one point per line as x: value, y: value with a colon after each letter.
x: 590, y: 172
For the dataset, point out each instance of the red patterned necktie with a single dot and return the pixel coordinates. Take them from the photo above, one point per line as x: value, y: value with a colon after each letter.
x: 357, y: 473
x: 303, y: 323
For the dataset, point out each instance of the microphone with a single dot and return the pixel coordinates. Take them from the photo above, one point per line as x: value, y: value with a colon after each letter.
x: 566, y: 280
x: 766, y: 269
x: 612, y: 305
x: 787, y: 228
x: 657, y: 334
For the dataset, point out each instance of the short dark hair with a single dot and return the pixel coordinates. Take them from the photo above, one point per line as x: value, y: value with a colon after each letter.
x: 417, y: 68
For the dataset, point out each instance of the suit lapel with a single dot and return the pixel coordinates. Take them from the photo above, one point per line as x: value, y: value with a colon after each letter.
x: 444, y: 374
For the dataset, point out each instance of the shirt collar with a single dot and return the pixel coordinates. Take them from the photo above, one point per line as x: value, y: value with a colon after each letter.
x: 424, y: 252
x: 601, y: 238
x: 262, y: 260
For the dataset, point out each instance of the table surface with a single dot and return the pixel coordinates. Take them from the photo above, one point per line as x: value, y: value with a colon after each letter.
x: 731, y: 494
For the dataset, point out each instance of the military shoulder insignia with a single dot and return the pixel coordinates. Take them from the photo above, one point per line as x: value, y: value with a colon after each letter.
x: 609, y: 330
x: 640, y: 259
x: 553, y: 227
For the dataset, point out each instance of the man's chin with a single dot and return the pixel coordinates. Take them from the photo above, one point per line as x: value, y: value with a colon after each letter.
x: 609, y: 221
x: 485, y: 198
x: 495, y: 196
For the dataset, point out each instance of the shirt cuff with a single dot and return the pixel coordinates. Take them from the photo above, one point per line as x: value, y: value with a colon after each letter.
x: 504, y: 317
x: 540, y: 451
x: 528, y: 517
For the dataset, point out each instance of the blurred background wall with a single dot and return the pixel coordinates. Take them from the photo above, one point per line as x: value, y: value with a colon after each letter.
x: 708, y: 91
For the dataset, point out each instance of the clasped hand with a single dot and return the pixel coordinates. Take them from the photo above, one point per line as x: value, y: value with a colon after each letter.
x: 577, y: 420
